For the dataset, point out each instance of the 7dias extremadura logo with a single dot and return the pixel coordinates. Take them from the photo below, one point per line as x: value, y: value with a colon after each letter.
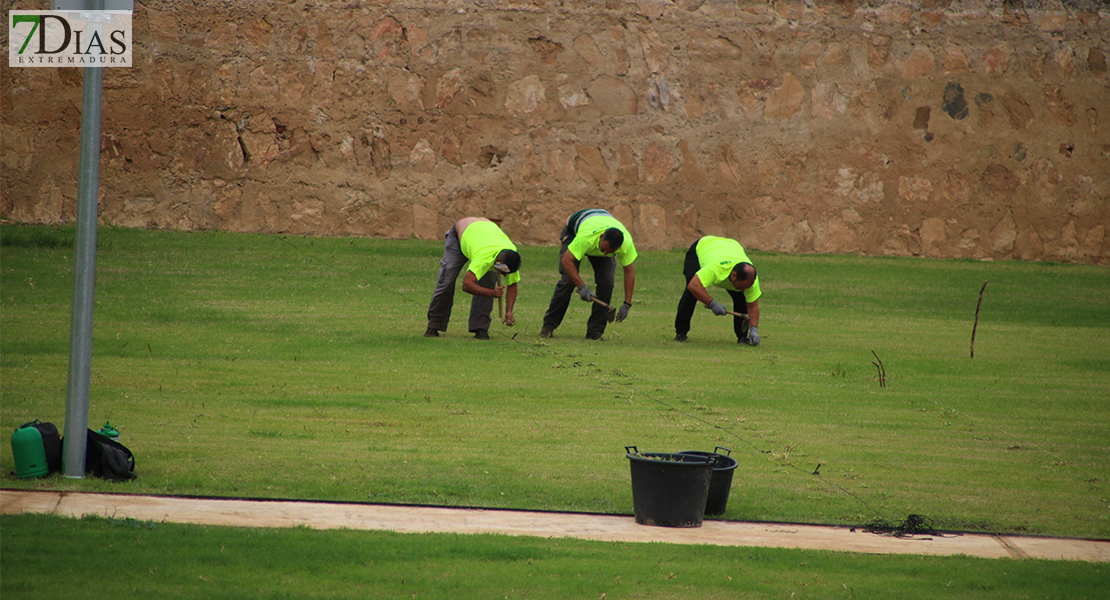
x: 48, y: 38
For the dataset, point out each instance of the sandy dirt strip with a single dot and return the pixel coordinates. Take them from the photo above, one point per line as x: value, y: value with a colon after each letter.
x: 422, y: 519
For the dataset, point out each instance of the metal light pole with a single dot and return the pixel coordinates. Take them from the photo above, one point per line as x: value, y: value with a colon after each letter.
x: 84, y: 274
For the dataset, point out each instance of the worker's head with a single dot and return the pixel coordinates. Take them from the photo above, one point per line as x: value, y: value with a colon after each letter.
x: 611, y: 241
x: 742, y: 276
x: 508, y: 261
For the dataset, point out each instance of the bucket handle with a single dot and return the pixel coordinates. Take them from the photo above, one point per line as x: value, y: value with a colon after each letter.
x: 727, y: 450
x: 631, y: 450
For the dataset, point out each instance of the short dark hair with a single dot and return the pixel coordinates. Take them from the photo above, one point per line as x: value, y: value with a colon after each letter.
x: 511, y: 258
x: 614, y: 236
x: 744, y: 271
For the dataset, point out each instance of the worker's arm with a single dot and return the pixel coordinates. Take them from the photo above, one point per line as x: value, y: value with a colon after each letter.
x: 510, y: 302
x: 629, y: 286
x: 568, y: 266
x: 470, y: 285
x: 753, y: 313
x: 567, y: 263
x: 698, y: 290
x: 629, y: 282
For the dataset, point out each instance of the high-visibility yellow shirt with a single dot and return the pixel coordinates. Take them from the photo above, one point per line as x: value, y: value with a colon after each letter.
x: 587, y: 240
x: 717, y: 257
x: 481, y: 242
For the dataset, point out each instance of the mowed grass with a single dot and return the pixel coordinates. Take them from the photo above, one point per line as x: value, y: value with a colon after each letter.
x: 98, y: 558
x: 293, y: 367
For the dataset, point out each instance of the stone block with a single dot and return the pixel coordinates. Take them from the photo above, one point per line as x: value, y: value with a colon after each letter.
x: 527, y: 95
x: 422, y: 158
x: 586, y: 47
x: 651, y: 225
x: 727, y: 166
x: 447, y: 86
x: 426, y: 221
x: 628, y: 173
x: 915, y: 190
x: 658, y: 163
x: 919, y: 63
x: 562, y: 165
x: 405, y: 88
x: 532, y: 170
x: 690, y: 172
x: 547, y: 50
x: 1017, y: 109
x: 807, y: 58
x: 1092, y: 247
x: 786, y: 100
x: 572, y: 96
x: 933, y: 237
x: 163, y: 26
x: 953, y: 60
x: 995, y: 60
x: 1096, y: 62
x: 1028, y: 245
x: 1003, y: 235
x: 1000, y: 179
x: 1060, y: 109
x: 591, y: 166
x: 878, y: 49
x: 612, y: 96
x: 826, y: 101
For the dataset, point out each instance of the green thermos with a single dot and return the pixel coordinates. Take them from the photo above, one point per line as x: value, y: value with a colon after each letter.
x: 29, y: 452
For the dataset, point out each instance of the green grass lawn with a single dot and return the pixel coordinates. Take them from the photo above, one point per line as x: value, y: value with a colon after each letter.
x: 99, y: 558
x: 290, y: 367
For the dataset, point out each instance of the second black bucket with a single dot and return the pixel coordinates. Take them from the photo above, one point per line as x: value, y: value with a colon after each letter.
x: 721, y: 482
x: 669, y: 490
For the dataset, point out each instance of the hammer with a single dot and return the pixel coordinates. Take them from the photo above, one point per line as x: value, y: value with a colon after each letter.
x: 743, y: 316
x: 612, y: 310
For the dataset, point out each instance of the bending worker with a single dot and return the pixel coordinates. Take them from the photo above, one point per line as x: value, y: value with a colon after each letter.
x: 489, y: 250
x: 592, y: 233
x: 720, y: 263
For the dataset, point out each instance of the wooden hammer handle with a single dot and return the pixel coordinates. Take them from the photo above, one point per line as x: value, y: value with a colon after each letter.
x: 500, y: 302
x: 600, y: 301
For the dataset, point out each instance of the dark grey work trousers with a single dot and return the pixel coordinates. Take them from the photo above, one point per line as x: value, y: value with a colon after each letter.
x: 605, y: 268
x: 443, y: 298
x: 687, y: 303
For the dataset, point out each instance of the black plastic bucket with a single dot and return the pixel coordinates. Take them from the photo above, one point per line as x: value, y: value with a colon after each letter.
x: 721, y: 482
x: 669, y: 490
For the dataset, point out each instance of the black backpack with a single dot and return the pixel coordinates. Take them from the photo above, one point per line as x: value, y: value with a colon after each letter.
x: 51, y: 444
x: 108, y: 459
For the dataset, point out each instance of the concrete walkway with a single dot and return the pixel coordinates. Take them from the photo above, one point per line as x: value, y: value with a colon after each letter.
x: 418, y: 519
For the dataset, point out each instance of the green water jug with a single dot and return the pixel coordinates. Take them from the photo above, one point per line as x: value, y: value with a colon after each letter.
x: 29, y: 452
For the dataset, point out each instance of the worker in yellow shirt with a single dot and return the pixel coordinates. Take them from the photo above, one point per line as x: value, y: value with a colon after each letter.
x: 592, y: 234
x: 480, y: 242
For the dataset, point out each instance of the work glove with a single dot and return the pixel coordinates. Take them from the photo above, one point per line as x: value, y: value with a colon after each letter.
x: 584, y: 292
x: 718, y: 308
x: 622, y: 312
x: 753, y: 336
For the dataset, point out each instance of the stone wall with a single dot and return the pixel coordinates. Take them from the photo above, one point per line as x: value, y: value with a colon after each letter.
x: 935, y: 128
